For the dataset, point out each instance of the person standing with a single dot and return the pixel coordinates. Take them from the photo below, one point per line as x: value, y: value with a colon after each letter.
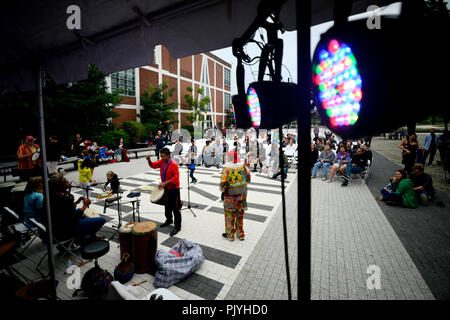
x: 430, y: 145
x: 316, y: 131
x: 76, y: 147
x: 159, y: 141
x: 170, y: 181
x: 233, y: 185
x: 409, y: 146
x: 26, y: 166
x: 54, y: 152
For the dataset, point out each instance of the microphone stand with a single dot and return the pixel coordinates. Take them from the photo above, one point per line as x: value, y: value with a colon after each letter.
x: 189, y: 206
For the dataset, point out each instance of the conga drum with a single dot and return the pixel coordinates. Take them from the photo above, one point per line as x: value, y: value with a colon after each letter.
x: 125, y: 239
x: 145, y: 243
x: 159, y: 196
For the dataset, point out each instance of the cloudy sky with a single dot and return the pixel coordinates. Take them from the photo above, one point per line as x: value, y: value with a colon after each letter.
x: 289, y: 70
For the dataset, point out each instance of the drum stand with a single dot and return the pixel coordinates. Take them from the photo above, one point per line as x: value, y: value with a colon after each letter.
x: 189, y: 206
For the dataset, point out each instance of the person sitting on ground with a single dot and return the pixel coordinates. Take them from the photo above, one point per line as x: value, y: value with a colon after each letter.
x: 342, y: 159
x: 113, y: 180
x: 33, y: 200
x: 423, y: 184
x: 401, y: 192
x: 326, y: 158
x: 67, y: 220
x: 357, y: 165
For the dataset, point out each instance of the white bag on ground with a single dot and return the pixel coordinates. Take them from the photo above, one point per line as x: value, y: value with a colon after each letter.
x: 173, y: 266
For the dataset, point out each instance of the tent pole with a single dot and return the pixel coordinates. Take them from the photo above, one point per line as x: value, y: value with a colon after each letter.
x: 43, y: 146
x: 304, y: 72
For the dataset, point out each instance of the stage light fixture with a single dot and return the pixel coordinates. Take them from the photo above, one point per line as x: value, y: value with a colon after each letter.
x: 367, y: 82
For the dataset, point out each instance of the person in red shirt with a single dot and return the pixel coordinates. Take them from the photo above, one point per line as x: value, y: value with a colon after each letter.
x: 170, y: 181
x: 27, y: 167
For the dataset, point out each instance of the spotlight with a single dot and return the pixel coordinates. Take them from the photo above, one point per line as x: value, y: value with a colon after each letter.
x: 367, y: 82
x: 271, y: 104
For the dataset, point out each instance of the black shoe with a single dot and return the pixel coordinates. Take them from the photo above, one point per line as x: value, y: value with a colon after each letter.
x: 174, y: 231
x: 345, y: 178
x: 165, y: 224
x: 344, y: 184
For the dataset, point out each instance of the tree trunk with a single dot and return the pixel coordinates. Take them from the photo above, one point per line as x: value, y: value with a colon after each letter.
x: 411, y: 127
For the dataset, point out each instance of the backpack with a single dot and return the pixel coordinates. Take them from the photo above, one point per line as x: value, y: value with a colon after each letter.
x: 95, y: 283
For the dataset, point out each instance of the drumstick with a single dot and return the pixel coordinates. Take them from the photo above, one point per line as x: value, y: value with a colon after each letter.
x: 83, y: 263
x: 139, y: 283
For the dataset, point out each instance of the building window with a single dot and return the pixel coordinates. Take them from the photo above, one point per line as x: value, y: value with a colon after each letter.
x: 226, y: 102
x: 226, y: 77
x: 124, y: 80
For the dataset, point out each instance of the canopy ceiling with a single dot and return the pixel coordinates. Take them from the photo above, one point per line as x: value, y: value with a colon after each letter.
x: 118, y: 35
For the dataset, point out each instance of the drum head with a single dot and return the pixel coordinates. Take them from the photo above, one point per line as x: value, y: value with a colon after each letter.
x: 156, y: 195
x: 127, y: 228
x: 35, y: 156
x: 104, y: 195
x: 144, y: 227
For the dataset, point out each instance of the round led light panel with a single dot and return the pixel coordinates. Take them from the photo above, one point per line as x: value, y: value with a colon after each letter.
x: 339, y: 82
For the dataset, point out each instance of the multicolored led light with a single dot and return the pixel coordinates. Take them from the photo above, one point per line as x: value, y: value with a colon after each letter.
x: 339, y: 83
x: 254, y: 108
x: 234, y: 113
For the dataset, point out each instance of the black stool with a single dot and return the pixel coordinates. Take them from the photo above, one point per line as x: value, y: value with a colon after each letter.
x: 95, y: 250
x: 135, y: 195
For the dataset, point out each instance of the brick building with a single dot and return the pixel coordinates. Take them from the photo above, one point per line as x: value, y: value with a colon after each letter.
x: 202, y: 70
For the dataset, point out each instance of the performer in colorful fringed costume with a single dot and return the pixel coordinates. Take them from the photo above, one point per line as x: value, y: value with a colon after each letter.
x: 233, y: 185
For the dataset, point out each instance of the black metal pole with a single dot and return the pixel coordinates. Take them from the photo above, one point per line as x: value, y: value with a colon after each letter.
x: 304, y: 72
x: 43, y: 146
x: 283, y: 201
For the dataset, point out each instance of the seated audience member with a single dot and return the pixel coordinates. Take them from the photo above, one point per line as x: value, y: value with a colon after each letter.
x: 342, y: 158
x: 357, y: 146
x: 320, y: 145
x: 348, y: 146
x: 401, y: 193
x: 285, y: 166
x: 67, y: 220
x: 423, y: 184
x: 367, y: 153
x: 33, y: 200
x: 314, y: 154
x: 326, y: 158
x: 357, y: 165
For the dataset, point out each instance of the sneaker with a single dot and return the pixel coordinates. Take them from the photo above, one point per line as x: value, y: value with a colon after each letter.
x: 165, y: 224
x: 424, y: 199
x: 241, y: 239
x: 345, y: 178
x: 344, y: 184
x: 174, y: 231
x: 329, y: 180
x: 226, y: 236
x: 324, y: 179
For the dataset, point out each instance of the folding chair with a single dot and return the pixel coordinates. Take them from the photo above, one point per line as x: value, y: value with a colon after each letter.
x: 22, y: 229
x: 366, y: 173
x: 65, y: 245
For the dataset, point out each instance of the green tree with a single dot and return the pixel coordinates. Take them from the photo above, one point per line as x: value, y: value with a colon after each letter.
x: 135, y: 130
x: 83, y: 106
x: 197, y: 107
x: 158, y: 114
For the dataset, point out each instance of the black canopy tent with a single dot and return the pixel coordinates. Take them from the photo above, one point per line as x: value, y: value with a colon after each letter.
x: 119, y: 35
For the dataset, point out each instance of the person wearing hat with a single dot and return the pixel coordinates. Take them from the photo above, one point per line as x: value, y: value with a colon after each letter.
x: 26, y: 165
x: 233, y: 185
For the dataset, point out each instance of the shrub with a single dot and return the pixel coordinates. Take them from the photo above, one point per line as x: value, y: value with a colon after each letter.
x: 112, y: 137
x: 135, y: 130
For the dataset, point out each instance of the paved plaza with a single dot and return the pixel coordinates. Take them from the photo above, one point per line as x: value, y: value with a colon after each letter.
x: 351, y: 231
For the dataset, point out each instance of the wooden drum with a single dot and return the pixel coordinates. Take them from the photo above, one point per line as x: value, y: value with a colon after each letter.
x: 126, y: 242
x: 145, y: 244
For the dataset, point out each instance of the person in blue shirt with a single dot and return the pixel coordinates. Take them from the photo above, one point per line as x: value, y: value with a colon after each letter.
x: 430, y: 145
x: 33, y: 200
